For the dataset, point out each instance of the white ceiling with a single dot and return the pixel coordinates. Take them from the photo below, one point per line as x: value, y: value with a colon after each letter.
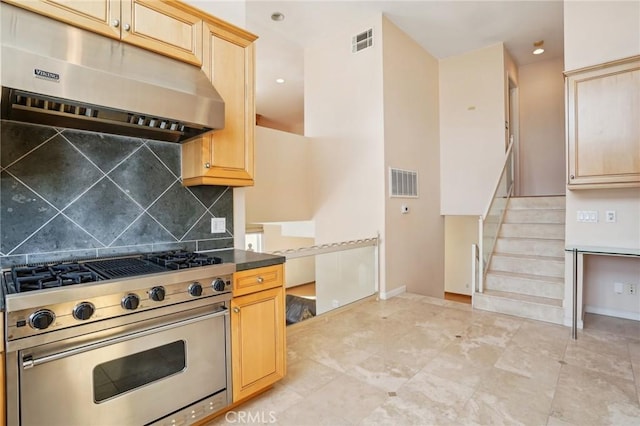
x: 443, y: 28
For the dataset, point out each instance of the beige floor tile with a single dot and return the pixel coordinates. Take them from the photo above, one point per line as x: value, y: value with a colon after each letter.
x: 614, y: 364
x: 539, y: 368
x: 388, y: 374
x: 538, y: 338
x: 416, y: 348
x: 586, y: 397
x: 467, y: 371
x: 438, y: 390
x: 345, y: 397
x: 307, y: 376
x: 619, y: 326
x: 411, y: 409
x: 514, y: 390
x: 486, y: 409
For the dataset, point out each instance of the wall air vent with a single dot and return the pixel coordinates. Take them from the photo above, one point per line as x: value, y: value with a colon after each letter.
x: 403, y: 183
x: 362, y: 41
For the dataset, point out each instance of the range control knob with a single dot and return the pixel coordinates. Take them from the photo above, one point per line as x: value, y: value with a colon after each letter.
x: 83, y: 311
x: 218, y: 284
x: 130, y: 301
x: 41, y: 319
x: 195, y: 289
x: 157, y: 294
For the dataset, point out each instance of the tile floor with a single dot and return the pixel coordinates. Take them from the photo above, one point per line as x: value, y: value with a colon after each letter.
x: 415, y: 360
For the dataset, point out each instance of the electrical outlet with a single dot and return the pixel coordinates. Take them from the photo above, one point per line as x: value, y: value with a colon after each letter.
x: 335, y: 303
x: 631, y: 289
x: 218, y: 225
x: 610, y: 216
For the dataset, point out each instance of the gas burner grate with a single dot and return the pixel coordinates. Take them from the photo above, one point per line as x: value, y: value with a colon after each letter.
x: 181, y: 259
x: 28, y: 278
x: 125, y: 267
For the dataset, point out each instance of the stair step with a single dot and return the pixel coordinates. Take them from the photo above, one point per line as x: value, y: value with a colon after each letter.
x: 534, y: 216
x: 533, y: 246
x: 553, y: 202
x: 524, y: 306
x: 527, y: 284
x: 531, y: 230
x: 547, y: 266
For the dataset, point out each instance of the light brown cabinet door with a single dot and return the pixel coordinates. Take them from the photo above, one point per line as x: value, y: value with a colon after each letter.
x: 151, y: 24
x: 99, y: 16
x: 603, y: 129
x: 225, y: 157
x: 258, y: 355
x: 160, y: 27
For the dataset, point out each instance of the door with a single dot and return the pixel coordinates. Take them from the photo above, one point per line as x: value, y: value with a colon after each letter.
x: 257, y: 341
x: 139, y: 379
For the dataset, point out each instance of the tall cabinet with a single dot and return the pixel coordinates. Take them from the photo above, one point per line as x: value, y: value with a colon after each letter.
x: 225, y: 157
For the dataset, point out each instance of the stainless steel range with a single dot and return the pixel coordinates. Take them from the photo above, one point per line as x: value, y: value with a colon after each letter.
x: 133, y: 340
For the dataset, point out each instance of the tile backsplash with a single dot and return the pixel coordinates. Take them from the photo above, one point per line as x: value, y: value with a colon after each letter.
x: 73, y: 194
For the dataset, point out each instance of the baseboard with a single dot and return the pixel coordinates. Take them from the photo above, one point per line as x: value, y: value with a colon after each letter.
x: 396, y: 291
x: 613, y: 313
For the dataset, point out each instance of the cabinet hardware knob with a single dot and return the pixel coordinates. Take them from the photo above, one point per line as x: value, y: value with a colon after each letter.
x: 236, y: 310
x: 571, y: 177
x: 260, y: 279
x: 207, y: 165
x: 127, y: 27
x: 116, y: 23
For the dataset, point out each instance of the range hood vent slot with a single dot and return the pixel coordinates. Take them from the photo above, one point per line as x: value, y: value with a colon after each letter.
x: 33, y: 108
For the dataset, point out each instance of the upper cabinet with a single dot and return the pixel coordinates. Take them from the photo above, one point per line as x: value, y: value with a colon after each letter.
x: 225, y: 157
x: 155, y: 25
x: 603, y: 128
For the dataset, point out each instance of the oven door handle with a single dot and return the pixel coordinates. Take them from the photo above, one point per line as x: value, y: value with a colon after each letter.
x: 29, y: 362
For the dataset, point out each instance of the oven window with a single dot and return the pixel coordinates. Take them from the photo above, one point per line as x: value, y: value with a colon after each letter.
x: 133, y: 371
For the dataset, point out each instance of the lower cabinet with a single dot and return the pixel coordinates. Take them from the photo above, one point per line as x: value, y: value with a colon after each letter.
x: 258, y: 351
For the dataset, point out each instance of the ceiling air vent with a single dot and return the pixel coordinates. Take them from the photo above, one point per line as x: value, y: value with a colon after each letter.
x: 403, y: 183
x: 362, y: 41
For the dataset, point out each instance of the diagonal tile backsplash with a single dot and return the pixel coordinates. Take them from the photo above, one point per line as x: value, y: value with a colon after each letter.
x: 67, y: 193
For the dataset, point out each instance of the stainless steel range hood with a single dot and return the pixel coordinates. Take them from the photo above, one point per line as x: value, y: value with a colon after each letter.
x: 63, y: 76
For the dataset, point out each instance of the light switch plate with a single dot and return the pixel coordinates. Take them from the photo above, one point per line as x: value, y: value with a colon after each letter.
x: 218, y: 225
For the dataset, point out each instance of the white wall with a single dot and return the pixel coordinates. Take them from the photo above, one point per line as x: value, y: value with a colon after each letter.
x: 232, y: 11
x: 414, y: 246
x: 461, y: 232
x: 343, y: 116
x: 283, y: 190
x: 600, y: 31
x: 601, y: 275
x: 472, y: 129
x: 542, y: 140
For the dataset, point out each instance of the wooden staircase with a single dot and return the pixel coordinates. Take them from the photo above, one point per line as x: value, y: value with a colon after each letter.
x: 525, y: 277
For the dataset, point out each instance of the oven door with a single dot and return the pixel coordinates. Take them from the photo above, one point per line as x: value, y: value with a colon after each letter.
x: 130, y: 379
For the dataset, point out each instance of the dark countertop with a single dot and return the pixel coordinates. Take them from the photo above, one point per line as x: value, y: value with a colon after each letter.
x: 248, y: 259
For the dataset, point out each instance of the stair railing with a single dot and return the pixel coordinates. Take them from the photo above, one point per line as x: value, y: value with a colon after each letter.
x: 489, y: 223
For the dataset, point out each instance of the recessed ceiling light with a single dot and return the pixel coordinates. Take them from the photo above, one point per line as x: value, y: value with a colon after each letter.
x: 277, y: 16
x: 538, y: 47
x: 279, y: 80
